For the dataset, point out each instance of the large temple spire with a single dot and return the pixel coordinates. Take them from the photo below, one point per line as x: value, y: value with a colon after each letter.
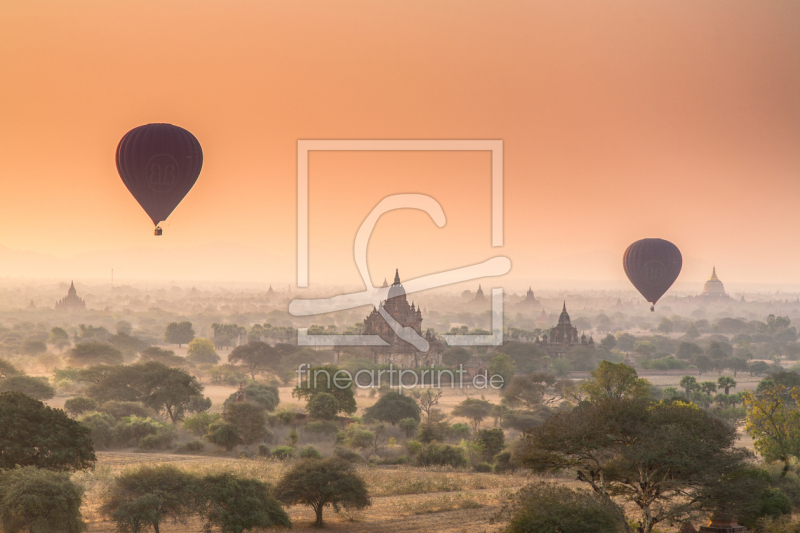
x: 396, y: 277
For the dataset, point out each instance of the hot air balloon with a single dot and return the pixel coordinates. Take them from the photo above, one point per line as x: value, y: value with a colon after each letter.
x: 652, y: 265
x: 159, y: 164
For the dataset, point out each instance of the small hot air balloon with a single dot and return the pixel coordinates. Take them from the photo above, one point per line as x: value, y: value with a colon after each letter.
x: 652, y: 265
x: 159, y: 164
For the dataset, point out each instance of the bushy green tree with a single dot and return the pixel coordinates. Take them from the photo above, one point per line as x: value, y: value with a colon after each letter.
x: 235, y: 504
x: 322, y: 406
x: 39, y: 501
x: 248, y: 419
x: 224, y: 434
x: 179, y: 333
x: 79, y: 405
x: 550, y: 508
x: 34, y: 434
x: 34, y: 387
x: 491, y: 441
x: 502, y: 365
x: 474, y: 410
x: 94, y: 353
x: 59, y: 338
x: 320, y: 483
x: 330, y: 380
x: 148, y: 496
x: 202, y: 351
x: 160, y: 355
x: 265, y: 395
x: 392, y: 407
x: 257, y: 357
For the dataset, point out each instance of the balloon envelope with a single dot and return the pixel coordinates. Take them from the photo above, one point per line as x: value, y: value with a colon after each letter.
x: 652, y: 265
x: 159, y: 164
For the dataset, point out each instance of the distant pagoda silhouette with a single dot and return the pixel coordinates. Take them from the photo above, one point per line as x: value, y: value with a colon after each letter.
x: 71, y: 302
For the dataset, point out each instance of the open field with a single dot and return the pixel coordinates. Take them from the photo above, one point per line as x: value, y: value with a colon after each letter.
x: 404, y: 499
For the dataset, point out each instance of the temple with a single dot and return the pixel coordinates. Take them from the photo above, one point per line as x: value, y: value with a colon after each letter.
x: 562, y: 337
x: 713, y: 289
x: 529, y: 300
x: 71, y: 302
x: 400, y: 352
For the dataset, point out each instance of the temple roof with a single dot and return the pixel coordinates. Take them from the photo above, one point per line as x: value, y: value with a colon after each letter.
x: 713, y: 285
x: 396, y: 290
x: 564, y: 318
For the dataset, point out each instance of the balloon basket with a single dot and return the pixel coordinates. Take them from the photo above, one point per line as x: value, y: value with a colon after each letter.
x: 157, y: 231
x: 652, y: 307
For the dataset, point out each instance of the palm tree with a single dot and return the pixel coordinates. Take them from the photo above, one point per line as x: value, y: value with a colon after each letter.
x: 727, y: 383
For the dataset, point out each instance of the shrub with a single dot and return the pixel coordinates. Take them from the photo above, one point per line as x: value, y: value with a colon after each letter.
x: 199, y: 423
x: 261, y: 394
x: 436, y: 454
x: 413, y: 447
x: 309, y: 452
x: 348, y: 455
x: 322, y: 406
x: 409, y: 426
x: 101, y: 427
x: 483, y: 468
x: 263, y: 450
x: 249, y: 421
x: 162, y: 440
x: 459, y: 431
x: 223, y: 434
x: 120, y: 410
x: 325, y: 427
x: 40, y: 501
x: 283, y: 452
x: 392, y: 407
x: 236, y: 504
x: 202, y: 351
x: 356, y: 436
x: 504, y: 462
x: 193, y: 446
x: 79, y: 405
x: 491, y: 441
x: 131, y: 429
x: 546, y: 508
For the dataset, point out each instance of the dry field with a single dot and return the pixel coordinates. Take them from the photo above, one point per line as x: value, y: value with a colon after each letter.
x: 404, y: 499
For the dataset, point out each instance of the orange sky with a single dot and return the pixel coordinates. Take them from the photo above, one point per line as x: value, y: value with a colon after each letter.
x: 620, y: 120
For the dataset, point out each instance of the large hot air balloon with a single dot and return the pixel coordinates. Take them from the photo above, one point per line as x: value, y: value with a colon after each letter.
x: 159, y: 164
x: 652, y: 265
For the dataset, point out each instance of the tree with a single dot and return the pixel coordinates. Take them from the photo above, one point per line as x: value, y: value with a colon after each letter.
x: 202, y: 351
x: 166, y: 389
x: 322, y: 406
x: 265, y: 395
x: 179, y: 333
x: 227, y: 334
x: 727, y: 383
x: 148, y: 496
x: 473, y: 409
x: 33, y: 347
x: 127, y: 344
x: 34, y: 434
x: 331, y: 380
x: 427, y: 399
x: 689, y: 385
x: 7, y: 369
x: 39, y: 501
x: 59, y: 338
x: 94, y: 353
x: 708, y: 387
x: 37, y: 388
x: 688, y: 351
x: 323, y: 482
x: 455, y: 356
x: 256, y: 356
x: 528, y: 390
x: 392, y: 408
x: 236, y: 504
x: 609, y: 342
x: 503, y: 366
x: 668, y: 459
x: 409, y: 426
x: 248, y: 419
x: 79, y: 405
x: 223, y: 434
x: 615, y: 381
x: 773, y: 420
x: 491, y: 441
x: 551, y: 508
x: 159, y: 355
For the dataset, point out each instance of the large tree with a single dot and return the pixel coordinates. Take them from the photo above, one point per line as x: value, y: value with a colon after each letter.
x: 179, y: 333
x: 331, y: 380
x: 39, y: 501
x: 33, y: 434
x: 529, y: 390
x: 320, y: 483
x: 615, y: 381
x: 59, y: 338
x: 257, y: 357
x: 668, y: 459
x: 773, y: 420
x: 474, y: 410
x: 202, y: 351
x: 148, y: 496
x: 34, y: 387
x: 392, y: 407
x: 94, y: 353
